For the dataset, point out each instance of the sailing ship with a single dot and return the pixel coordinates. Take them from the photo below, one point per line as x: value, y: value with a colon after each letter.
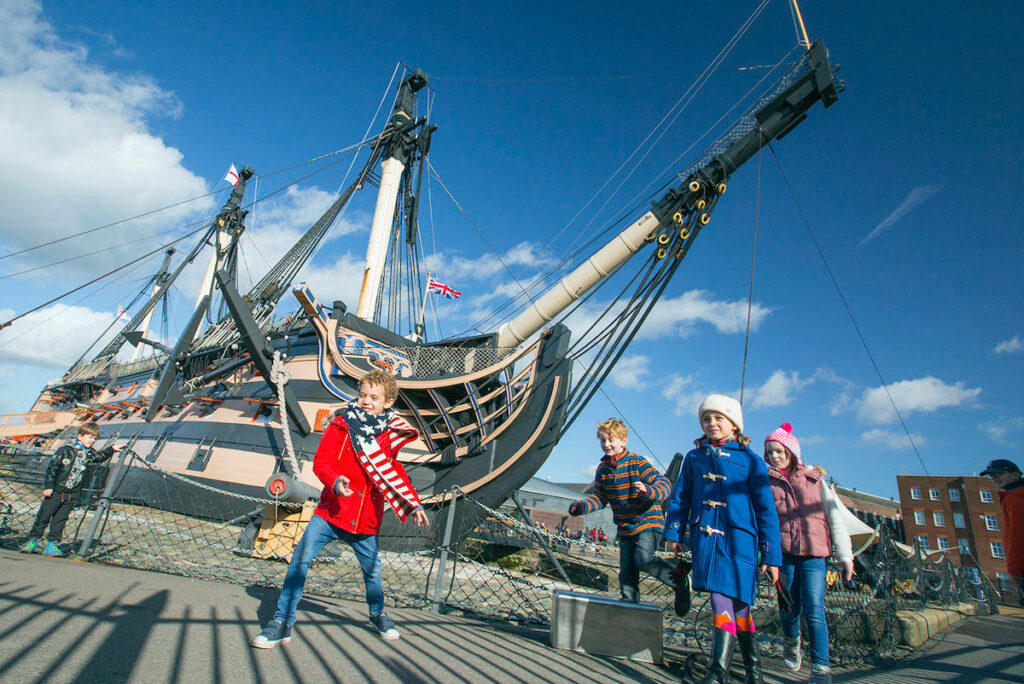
x: 240, y: 405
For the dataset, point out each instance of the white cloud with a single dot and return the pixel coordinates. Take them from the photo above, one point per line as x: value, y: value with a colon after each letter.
x: 587, y: 471
x: 778, y: 390
x: 68, y: 125
x: 680, y: 315
x: 998, y: 432
x: 684, y: 395
x: 451, y: 268
x: 53, y: 337
x: 1014, y: 345
x: 917, y: 196
x: 891, y: 440
x: 630, y: 372
x: 926, y: 394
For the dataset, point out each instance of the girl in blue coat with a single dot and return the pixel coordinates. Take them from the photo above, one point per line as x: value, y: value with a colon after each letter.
x: 723, y: 497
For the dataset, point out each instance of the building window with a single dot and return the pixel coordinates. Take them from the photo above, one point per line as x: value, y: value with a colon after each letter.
x: 1003, y: 578
x: 954, y: 494
x: 922, y: 541
x: 986, y: 495
x: 958, y: 520
x: 915, y: 493
x: 997, y: 549
x: 942, y: 542
x: 991, y: 523
x: 939, y: 519
x: 933, y: 494
x: 919, y: 517
x: 964, y: 546
x: 973, y: 574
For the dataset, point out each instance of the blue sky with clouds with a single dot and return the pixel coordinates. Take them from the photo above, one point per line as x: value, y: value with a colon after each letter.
x: 911, y: 183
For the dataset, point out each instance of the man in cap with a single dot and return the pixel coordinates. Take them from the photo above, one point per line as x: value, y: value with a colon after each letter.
x: 1006, y: 475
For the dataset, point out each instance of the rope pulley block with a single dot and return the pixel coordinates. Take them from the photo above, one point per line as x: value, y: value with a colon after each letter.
x: 705, y: 219
x: 663, y: 239
x: 694, y: 186
x: 720, y: 188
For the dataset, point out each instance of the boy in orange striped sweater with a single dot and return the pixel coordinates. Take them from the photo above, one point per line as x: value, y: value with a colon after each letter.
x: 635, y: 490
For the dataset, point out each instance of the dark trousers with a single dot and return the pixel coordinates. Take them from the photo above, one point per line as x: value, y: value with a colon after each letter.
x: 54, y: 510
x: 636, y: 553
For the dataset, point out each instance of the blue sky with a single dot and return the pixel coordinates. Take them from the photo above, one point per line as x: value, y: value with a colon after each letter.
x: 911, y: 183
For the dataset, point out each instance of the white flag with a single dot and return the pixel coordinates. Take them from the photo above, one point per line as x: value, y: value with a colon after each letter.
x: 121, y: 313
x: 232, y: 176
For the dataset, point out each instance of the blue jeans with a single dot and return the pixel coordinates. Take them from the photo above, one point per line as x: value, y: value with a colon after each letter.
x: 804, y: 576
x: 636, y: 553
x: 318, y: 534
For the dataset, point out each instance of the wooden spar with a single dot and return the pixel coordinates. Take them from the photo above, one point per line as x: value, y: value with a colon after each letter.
x: 380, y: 230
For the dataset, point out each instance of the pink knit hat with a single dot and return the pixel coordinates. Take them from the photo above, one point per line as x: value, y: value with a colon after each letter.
x: 784, y: 436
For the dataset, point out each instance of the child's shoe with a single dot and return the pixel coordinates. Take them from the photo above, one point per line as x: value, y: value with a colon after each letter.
x: 791, y: 655
x: 820, y: 674
x: 385, y: 626
x: 30, y: 546
x: 273, y: 634
x: 52, y: 550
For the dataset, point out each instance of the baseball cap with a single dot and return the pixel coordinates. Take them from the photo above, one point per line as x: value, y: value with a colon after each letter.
x: 1000, y: 465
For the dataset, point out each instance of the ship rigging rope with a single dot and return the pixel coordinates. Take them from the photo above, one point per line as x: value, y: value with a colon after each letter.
x: 280, y: 377
x: 750, y: 293
x: 98, y: 278
x: 849, y: 312
x: 630, y: 208
x: 354, y: 147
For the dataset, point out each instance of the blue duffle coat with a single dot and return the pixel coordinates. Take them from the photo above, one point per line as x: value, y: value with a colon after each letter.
x: 723, y: 498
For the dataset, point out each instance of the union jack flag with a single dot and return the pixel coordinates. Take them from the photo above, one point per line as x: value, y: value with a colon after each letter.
x: 441, y: 289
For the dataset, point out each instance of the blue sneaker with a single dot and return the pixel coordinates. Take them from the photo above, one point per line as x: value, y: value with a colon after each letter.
x: 383, y: 624
x: 273, y: 634
x: 30, y: 546
x: 52, y: 550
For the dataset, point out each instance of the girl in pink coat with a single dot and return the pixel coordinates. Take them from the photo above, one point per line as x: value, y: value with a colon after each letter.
x: 810, y: 526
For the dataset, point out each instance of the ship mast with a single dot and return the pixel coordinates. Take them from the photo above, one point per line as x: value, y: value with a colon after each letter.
x: 810, y: 81
x: 400, y: 146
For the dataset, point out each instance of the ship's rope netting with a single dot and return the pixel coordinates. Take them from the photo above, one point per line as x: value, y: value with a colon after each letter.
x: 505, y: 569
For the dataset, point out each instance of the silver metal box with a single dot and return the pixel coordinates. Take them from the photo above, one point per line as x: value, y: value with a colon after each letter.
x: 605, y: 626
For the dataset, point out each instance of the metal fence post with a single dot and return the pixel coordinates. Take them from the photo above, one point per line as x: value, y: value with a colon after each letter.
x: 104, y: 503
x: 435, y: 605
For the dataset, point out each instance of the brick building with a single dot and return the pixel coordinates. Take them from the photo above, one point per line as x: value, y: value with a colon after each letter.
x: 958, y: 515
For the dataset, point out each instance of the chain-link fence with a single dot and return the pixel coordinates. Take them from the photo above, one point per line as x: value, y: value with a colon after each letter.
x: 135, y: 514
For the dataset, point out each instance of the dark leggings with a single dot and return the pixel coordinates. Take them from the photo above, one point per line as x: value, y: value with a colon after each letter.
x: 54, y: 510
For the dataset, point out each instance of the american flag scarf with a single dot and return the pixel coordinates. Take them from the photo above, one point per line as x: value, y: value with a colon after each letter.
x: 364, y: 429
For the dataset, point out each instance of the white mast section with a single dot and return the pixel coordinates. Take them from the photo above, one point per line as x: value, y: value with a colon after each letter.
x: 222, y: 241
x: 144, y: 327
x: 380, y: 231
x: 575, y: 285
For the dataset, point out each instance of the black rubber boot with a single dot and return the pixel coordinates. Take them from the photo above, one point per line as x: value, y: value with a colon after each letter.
x: 751, y: 660
x: 721, y: 656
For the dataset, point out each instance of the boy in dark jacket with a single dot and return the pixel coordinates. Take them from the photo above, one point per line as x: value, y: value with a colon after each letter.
x: 635, y: 490
x: 61, y: 483
x: 357, y: 461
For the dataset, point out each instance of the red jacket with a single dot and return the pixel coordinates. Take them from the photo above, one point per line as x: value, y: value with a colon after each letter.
x: 362, y: 512
x: 1013, y: 525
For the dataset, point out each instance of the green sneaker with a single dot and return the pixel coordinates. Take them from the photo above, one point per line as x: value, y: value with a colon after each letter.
x: 30, y: 546
x: 52, y: 550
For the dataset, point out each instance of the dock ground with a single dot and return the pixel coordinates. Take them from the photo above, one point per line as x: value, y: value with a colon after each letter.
x: 68, y: 621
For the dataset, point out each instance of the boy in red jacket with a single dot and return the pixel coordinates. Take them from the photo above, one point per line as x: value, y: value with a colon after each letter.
x: 357, y: 462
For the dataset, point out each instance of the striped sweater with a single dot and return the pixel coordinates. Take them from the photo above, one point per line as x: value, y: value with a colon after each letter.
x: 613, y: 486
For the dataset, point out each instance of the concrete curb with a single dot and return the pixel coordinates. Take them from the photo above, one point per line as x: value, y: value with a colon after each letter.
x: 917, y: 627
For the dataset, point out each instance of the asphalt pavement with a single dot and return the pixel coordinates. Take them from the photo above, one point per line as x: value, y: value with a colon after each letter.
x: 63, y: 620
